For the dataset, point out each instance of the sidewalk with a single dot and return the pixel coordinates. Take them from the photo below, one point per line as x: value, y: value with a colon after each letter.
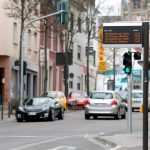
x: 133, y: 141
x: 6, y: 116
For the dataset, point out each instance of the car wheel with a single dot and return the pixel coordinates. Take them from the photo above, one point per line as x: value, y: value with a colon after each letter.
x: 87, y: 116
x: 61, y: 114
x: 51, y: 116
x: 116, y: 116
x: 19, y: 119
x: 124, y: 115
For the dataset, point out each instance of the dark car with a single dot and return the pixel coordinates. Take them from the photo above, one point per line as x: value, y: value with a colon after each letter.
x: 40, y: 108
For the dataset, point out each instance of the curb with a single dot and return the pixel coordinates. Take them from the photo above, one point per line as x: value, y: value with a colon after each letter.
x: 106, y: 142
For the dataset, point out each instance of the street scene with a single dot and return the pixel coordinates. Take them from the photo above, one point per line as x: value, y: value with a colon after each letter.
x: 74, y: 75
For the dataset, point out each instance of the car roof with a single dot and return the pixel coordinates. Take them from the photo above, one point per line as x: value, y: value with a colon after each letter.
x: 54, y: 91
x: 43, y: 97
x: 137, y: 91
x: 109, y: 91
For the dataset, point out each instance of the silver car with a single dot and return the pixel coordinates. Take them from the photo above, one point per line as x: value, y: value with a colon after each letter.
x: 105, y: 103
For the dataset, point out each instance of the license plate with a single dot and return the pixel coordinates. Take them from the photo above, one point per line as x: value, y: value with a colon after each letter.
x: 100, y: 105
x: 32, y: 113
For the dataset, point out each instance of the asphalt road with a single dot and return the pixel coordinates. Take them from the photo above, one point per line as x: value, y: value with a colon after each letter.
x: 72, y: 133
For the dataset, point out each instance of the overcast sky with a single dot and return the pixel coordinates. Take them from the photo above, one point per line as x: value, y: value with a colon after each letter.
x: 105, y: 6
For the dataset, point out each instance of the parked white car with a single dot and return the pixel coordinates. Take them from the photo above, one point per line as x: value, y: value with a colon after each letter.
x: 105, y: 103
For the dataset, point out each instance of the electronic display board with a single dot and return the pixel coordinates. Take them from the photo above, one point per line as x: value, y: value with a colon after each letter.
x: 122, y: 35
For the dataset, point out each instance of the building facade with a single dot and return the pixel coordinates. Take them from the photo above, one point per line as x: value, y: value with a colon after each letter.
x: 10, y: 53
x: 79, y: 11
x: 33, y: 53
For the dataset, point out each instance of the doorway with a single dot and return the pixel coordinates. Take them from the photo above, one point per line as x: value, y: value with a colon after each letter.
x: 1, y: 85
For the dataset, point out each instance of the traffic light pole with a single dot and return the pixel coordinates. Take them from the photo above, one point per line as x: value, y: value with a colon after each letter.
x: 22, y: 46
x: 130, y: 103
x: 145, y: 26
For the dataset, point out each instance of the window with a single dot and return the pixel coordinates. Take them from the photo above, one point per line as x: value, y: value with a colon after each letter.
x: 70, y: 84
x: 78, y: 83
x: 58, y: 43
x: 101, y: 95
x: 43, y: 39
x: 87, y: 23
x: 71, y: 21
x: 51, y: 40
x: 15, y: 1
x: 57, y: 78
x: 50, y: 37
x: 94, y: 31
x: 79, y: 24
x: 136, y: 3
x: 29, y: 39
x: 71, y: 46
x: 15, y: 32
x: 35, y: 41
x: 79, y: 53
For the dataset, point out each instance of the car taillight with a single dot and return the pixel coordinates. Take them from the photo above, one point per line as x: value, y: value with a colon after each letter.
x: 87, y: 102
x: 113, y: 102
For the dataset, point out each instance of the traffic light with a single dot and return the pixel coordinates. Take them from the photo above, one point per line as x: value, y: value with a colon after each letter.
x: 63, y: 17
x: 24, y: 67
x: 17, y: 63
x: 137, y: 55
x: 127, y: 62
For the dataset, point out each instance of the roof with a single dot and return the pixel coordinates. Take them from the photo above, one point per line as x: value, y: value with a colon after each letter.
x: 108, y: 91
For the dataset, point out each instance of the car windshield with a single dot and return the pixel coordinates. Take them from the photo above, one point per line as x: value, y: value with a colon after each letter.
x: 77, y: 94
x: 137, y: 95
x: 37, y: 102
x: 50, y: 94
x: 101, y: 95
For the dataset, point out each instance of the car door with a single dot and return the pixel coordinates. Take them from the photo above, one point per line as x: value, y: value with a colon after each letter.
x: 56, y: 106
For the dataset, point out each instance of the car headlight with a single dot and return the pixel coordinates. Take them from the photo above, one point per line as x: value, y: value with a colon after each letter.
x: 20, y: 108
x: 45, y: 109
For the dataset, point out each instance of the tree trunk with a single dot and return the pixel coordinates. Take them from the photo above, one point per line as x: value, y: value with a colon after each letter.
x: 45, y: 57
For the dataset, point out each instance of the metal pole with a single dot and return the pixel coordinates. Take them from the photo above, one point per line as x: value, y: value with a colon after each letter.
x: 88, y: 44
x: 114, y: 68
x: 129, y: 77
x: 22, y: 46
x: 128, y: 6
x: 130, y: 103
x: 145, y: 26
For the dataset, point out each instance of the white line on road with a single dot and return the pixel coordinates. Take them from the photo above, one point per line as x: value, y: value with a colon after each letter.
x: 42, y: 142
x: 20, y: 136
x: 63, y: 148
x: 117, y: 147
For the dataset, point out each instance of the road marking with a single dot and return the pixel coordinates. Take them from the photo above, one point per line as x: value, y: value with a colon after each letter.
x: 92, y: 140
x: 20, y: 136
x: 63, y: 148
x: 117, y: 147
x: 42, y: 142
